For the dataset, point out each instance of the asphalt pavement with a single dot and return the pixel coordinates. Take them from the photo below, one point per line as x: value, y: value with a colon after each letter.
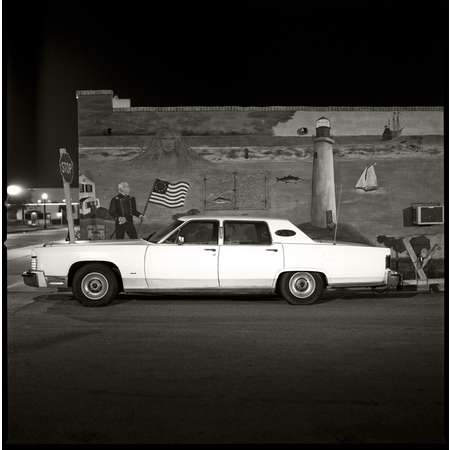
x: 357, y: 367
x: 25, y: 239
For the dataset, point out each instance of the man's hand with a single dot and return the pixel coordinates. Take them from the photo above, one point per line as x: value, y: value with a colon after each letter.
x: 141, y: 218
x: 122, y: 220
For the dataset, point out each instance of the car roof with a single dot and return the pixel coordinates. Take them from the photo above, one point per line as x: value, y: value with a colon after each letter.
x: 204, y: 217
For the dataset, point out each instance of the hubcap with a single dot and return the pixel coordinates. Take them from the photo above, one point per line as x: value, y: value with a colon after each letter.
x: 94, y: 285
x: 302, y: 284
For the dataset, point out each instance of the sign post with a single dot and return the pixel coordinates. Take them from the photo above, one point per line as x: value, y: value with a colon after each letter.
x: 66, y: 169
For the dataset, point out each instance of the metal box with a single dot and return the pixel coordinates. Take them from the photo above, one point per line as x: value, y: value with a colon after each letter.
x: 427, y: 213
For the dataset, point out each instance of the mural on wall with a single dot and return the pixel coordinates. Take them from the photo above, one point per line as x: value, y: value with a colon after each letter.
x: 261, y: 162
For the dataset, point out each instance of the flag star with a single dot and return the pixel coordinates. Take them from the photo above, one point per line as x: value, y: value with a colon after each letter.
x: 161, y: 186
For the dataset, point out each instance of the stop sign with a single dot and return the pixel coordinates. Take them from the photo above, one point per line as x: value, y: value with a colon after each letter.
x: 66, y: 166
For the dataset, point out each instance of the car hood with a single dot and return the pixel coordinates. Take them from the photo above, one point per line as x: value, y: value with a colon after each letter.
x: 103, y: 242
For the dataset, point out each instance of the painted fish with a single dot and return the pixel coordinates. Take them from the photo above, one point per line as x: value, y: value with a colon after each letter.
x: 221, y: 200
x: 290, y: 179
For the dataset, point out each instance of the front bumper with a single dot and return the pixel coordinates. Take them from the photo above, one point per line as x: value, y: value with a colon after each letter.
x: 37, y: 278
x: 34, y: 278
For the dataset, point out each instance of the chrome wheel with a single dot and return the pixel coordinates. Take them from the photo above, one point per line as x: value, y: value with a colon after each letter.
x: 94, y: 285
x: 302, y: 285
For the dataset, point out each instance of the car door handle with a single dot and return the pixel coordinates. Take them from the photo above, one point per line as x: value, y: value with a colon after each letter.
x: 271, y: 250
x: 209, y: 249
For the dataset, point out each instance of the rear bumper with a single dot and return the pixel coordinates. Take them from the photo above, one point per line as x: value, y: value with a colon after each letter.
x: 393, y: 279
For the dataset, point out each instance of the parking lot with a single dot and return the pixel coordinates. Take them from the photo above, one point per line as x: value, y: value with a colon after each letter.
x: 357, y: 367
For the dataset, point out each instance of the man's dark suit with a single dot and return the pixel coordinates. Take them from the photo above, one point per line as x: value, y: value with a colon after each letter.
x: 124, y: 206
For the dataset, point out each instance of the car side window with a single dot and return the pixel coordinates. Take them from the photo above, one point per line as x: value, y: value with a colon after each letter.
x: 197, y: 232
x: 246, y: 233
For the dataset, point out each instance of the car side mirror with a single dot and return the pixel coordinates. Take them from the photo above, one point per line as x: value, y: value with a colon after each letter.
x: 180, y: 240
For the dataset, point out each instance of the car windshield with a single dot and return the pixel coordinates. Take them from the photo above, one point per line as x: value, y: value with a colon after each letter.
x: 158, y: 235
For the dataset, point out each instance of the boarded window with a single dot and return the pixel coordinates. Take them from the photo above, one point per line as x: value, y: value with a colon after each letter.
x: 246, y: 191
x: 219, y: 191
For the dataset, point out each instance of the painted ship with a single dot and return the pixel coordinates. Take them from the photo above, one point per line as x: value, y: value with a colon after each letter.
x: 391, y: 132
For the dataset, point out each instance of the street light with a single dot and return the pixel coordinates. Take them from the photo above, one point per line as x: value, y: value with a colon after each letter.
x: 13, y: 190
x: 44, y: 197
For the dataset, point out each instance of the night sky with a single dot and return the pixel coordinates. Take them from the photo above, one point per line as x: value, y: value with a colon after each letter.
x: 218, y: 54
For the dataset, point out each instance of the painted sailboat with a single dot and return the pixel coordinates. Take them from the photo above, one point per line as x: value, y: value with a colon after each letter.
x: 368, y: 179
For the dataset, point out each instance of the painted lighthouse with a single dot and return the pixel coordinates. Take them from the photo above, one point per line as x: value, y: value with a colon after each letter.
x: 323, y: 200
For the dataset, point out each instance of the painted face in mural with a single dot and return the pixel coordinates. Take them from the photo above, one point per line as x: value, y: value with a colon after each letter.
x: 124, y: 188
x: 168, y: 144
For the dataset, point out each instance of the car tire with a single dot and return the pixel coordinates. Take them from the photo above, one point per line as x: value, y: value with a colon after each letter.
x: 95, y: 285
x: 301, y: 288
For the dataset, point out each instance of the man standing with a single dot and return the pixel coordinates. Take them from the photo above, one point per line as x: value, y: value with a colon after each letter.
x: 123, y: 208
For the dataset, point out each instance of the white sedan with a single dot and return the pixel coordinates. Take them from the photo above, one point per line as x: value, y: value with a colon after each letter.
x: 210, y: 253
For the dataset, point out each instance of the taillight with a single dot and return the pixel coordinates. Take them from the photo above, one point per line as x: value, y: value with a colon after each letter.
x: 388, y: 261
x: 34, y: 262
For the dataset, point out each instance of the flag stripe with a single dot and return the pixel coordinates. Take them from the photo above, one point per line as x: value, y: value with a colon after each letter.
x: 169, y: 205
x: 180, y: 188
x: 170, y: 195
x: 180, y: 194
x: 177, y: 190
x: 162, y: 199
x: 170, y: 198
x: 177, y: 187
x: 164, y: 202
x: 180, y: 183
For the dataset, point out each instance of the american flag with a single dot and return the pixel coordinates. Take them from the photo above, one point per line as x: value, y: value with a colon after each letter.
x: 171, y: 195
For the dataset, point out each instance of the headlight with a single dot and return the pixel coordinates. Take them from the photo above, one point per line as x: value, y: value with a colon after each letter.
x: 34, y: 263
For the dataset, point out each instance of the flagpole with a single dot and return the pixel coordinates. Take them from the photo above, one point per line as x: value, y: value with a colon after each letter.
x: 145, y: 209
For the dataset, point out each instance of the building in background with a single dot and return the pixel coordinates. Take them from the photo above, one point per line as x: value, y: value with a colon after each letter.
x: 52, y: 200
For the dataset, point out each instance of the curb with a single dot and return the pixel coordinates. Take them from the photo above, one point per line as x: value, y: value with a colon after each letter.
x: 23, y: 231
x: 33, y: 230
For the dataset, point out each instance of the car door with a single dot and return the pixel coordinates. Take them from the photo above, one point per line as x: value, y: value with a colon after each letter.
x: 248, y: 258
x: 191, y: 265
